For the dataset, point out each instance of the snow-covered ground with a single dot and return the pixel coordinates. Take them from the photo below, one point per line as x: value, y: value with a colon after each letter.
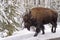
x: 28, y: 35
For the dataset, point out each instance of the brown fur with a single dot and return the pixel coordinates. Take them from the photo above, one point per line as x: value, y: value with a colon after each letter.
x: 40, y: 14
x: 38, y: 17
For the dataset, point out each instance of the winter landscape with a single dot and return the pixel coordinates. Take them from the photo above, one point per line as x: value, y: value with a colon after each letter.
x: 11, y: 22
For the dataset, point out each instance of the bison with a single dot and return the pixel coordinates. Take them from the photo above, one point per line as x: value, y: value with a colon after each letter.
x: 40, y: 16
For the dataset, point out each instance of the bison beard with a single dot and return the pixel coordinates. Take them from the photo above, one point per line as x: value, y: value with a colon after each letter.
x: 38, y: 17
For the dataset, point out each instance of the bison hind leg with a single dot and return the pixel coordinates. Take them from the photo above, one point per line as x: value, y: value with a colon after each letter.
x: 54, y: 25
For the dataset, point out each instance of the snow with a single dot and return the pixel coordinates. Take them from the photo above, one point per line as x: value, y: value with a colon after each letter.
x: 29, y: 35
x: 21, y: 35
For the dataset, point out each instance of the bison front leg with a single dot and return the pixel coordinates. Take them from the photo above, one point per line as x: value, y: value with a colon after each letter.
x: 37, y: 31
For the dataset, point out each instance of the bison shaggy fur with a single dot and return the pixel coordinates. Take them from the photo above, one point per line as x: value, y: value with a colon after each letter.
x: 38, y: 17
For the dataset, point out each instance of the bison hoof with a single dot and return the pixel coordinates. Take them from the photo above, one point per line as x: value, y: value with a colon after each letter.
x: 54, y: 32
